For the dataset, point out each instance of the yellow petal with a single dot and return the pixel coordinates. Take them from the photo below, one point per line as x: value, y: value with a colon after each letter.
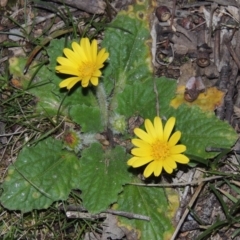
x: 158, y: 168
x: 168, y: 128
x: 102, y: 57
x: 174, y: 139
x: 167, y: 168
x: 79, y: 51
x: 86, y: 79
x: 141, y: 161
x: 94, y: 50
x: 85, y: 44
x: 158, y: 127
x: 140, y: 143
x: 178, y: 149
x: 67, y: 70
x: 143, y: 135
x: 69, y: 82
x: 85, y: 82
x: 132, y: 160
x: 72, y: 56
x: 141, y: 152
x: 149, y: 128
x: 73, y: 82
x: 149, y: 169
x: 170, y: 162
x: 94, y: 81
x: 180, y: 158
x: 66, y: 62
x: 97, y: 73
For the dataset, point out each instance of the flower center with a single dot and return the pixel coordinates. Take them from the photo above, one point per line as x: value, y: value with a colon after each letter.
x: 160, y: 150
x: 86, y: 69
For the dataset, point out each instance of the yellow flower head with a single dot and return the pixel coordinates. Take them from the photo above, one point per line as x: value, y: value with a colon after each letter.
x: 157, y: 148
x: 83, y: 62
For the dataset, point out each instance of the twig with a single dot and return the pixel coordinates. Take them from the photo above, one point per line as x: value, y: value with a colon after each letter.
x: 230, y: 94
x: 217, y: 46
x: 94, y: 6
x: 10, y: 134
x: 197, y: 182
x: 190, y: 35
x: 213, y: 8
x: 73, y: 211
x: 173, y: 13
x: 128, y: 215
x: 233, y: 53
x: 194, y: 197
x: 225, y: 2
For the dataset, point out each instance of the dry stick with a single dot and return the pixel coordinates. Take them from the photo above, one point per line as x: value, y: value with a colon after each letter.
x: 237, y: 80
x: 85, y: 215
x: 173, y: 13
x: 194, y: 197
x: 213, y: 8
x: 74, y: 211
x: 230, y: 84
x: 225, y: 2
x: 128, y: 215
x: 190, y: 35
x: 91, y: 6
x: 216, y: 49
x: 230, y: 94
x: 237, y: 101
x: 223, y: 76
x: 197, y: 182
x: 233, y: 53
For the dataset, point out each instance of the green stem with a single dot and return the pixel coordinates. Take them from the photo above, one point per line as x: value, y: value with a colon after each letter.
x: 103, y: 104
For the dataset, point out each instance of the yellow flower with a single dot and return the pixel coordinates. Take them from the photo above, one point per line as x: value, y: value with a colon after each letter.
x: 84, y: 62
x: 157, y: 148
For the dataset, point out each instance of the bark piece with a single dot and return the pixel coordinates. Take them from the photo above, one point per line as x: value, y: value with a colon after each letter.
x: 91, y: 6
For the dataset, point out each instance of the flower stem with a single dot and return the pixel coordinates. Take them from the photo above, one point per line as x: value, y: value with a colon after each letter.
x: 103, y: 104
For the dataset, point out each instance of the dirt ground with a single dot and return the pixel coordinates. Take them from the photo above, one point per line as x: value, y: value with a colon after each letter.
x: 199, y: 45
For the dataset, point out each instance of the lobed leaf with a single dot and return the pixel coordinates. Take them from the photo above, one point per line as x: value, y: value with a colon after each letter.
x: 151, y: 202
x: 140, y: 99
x: 41, y: 175
x: 103, y: 174
x: 89, y: 118
x: 202, y: 129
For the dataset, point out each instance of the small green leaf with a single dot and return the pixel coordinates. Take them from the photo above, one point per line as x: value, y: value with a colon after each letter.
x: 41, y: 175
x: 102, y: 175
x: 46, y: 92
x: 151, y: 202
x: 89, y: 118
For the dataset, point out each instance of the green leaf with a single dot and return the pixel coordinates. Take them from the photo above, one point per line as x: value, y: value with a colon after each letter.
x: 55, y: 49
x: 102, y: 175
x: 88, y: 117
x: 47, y: 93
x: 202, y: 129
x: 151, y: 202
x: 41, y: 175
x: 129, y: 54
x: 140, y: 98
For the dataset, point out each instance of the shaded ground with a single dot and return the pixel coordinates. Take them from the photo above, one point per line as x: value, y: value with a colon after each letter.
x: 199, y: 46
